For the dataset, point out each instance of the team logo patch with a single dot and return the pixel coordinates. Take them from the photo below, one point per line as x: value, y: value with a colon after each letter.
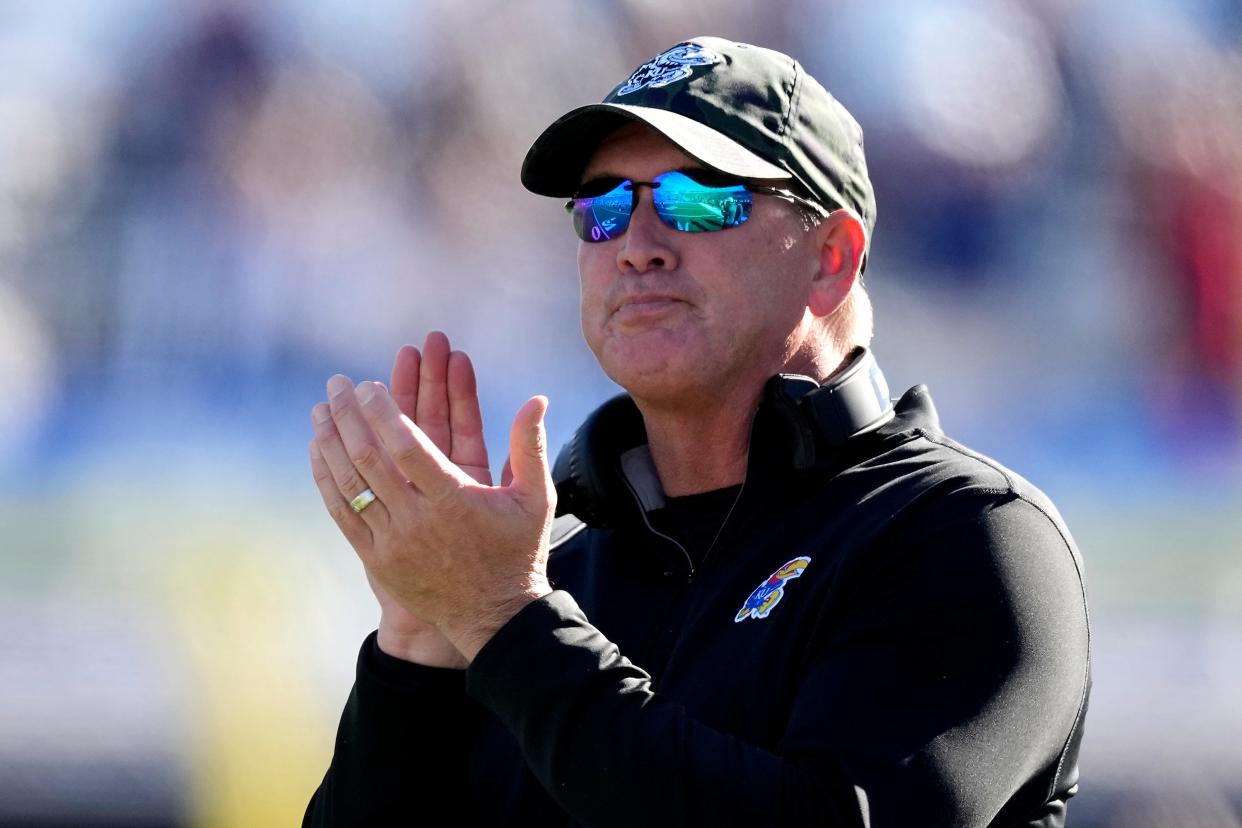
x: 669, y: 67
x: 770, y: 592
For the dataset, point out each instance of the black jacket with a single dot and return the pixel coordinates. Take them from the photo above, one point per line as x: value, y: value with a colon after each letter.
x: 926, y: 665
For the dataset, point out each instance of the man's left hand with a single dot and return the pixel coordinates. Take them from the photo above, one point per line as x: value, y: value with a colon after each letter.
x: 462, y: 555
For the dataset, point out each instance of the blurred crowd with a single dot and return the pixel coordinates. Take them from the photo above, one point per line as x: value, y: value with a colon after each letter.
x: 209, y: 206
x: 207, y: 201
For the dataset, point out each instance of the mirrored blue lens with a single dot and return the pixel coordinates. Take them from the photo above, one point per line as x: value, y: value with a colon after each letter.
x: 680, y: 201
x: 599, y: 218
x: 684, y: 204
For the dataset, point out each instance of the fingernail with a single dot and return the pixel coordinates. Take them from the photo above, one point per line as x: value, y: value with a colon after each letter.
x: 315, y: 452
x: 365, y: 391
x: 338, y: 385
x: 321, y: 413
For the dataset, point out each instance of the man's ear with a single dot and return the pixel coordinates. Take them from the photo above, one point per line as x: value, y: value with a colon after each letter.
x: 840, y: 257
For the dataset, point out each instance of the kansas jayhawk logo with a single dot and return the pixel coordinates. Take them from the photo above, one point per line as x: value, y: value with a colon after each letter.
x: 668, y: 67
x: 769, y: 593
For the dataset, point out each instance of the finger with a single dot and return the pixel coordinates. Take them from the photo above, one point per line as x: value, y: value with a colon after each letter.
x: 349, y: 483
x: 528, y: 450
x: 432, y: 411
x: 404, y: 379
x: 413, y: 451
x: 506, y: 474
x: 351, y: 524
x: 361, y: 445
x: 465, y: 418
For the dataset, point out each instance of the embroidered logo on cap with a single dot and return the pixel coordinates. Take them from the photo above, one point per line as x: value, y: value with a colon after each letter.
x: 669, y: 67
x: 769, y: 593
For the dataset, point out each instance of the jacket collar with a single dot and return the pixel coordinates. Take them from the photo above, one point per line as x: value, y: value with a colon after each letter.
x: 606, y: 477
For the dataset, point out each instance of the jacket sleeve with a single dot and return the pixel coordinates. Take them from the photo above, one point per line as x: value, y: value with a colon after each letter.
x: 401, y: 748
x: 954, y: 677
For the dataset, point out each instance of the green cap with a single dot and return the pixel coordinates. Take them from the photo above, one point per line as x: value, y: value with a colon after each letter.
x: 739, y: 109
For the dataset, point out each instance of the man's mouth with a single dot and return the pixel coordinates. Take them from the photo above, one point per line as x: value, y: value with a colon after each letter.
x: 641, y: 305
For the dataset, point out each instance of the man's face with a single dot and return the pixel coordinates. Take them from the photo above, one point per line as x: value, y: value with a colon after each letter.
x: 680, y: 318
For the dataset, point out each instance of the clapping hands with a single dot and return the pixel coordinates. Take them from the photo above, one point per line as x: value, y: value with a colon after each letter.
x: 449, y: 556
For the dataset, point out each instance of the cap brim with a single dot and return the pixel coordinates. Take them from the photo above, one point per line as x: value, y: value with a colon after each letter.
x: 554, y: 164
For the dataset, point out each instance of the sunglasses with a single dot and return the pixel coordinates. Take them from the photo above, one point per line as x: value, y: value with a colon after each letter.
x: 692, y: 201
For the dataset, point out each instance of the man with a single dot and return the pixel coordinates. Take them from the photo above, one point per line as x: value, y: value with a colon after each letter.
x: 773, y: 596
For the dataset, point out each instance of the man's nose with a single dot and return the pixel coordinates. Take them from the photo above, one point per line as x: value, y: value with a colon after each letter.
x: 647, y: 243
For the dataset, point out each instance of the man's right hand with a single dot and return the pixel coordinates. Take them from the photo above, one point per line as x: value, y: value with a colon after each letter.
x: 437, y: 390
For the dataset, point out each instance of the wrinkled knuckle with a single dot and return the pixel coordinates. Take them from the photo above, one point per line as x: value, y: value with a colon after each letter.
x: 407, y: 454
x: 340, y: 511
x: 365, y: 457
x: 352, y: 484
x: 338, y: 415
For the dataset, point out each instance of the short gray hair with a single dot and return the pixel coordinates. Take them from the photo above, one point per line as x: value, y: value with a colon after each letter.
x: 852, y: 324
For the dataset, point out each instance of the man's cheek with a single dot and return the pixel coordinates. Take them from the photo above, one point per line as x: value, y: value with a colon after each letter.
x: 592, y: 327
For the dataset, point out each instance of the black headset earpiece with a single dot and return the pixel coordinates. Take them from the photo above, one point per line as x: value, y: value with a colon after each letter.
x: 820, y: 418
x: 591, y: 484
x: 587, y: 472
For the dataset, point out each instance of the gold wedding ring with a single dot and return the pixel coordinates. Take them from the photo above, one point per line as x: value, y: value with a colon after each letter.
x: 363, y: 499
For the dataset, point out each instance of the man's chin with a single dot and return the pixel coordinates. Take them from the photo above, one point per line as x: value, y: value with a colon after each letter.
x: 656, y: 364
x: 665, y: 384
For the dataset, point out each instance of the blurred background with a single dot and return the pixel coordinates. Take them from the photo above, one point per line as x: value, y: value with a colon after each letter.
x: 207, y: 208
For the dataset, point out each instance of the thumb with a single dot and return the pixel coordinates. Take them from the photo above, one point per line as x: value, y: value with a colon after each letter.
x: 528, y: 449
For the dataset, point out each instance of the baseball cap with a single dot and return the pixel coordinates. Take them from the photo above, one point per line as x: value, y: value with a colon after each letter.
x: 739, y: 109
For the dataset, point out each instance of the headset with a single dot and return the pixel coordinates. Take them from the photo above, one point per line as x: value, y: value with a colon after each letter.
x: 606, y: 467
